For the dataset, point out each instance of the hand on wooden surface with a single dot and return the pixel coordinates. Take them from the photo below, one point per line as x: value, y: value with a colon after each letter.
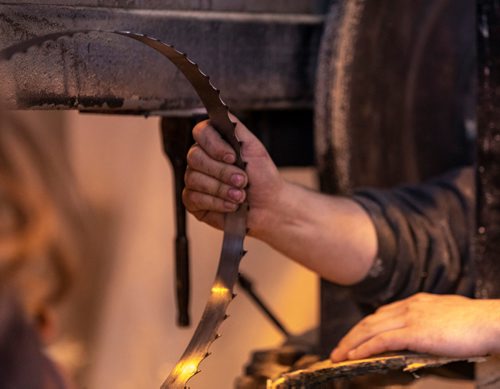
x: 445, y: 325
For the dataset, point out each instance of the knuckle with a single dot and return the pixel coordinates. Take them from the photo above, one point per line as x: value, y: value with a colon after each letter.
x: 384, y: 341
x: 364, y: 324
x: 199, y: 129
x: 421, y: 297
x: 368, y: 320
x: 186, y: 199
x: 193, y: 155
x: 192, y: 201
x: 187, y: 195
x: 200, y: 215
x: 188, y: 178
x: 214, y: 203
x: 382, y: 309
x: 220, y: 191
x: 224, y: 173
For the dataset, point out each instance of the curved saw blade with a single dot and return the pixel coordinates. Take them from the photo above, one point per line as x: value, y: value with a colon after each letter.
x: 235, y: 223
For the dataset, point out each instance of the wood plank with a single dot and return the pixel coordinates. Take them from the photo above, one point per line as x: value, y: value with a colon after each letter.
x: 324, y: 372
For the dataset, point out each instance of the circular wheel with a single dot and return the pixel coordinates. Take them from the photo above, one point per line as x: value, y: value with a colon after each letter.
x: 394, y: 91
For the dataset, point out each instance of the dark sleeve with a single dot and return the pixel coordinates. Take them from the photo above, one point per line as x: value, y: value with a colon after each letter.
x: 424, y: 237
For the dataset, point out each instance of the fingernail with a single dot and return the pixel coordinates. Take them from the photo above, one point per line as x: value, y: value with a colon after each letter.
x: 235, y: 194
x: 229, y: 158
x: 237, y: 180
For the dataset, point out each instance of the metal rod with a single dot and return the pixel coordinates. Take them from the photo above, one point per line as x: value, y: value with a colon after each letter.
x: 247, y: 285
x: 177, y: 139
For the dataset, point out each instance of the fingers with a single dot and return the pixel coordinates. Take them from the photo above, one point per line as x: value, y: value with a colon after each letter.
x: 370, y: 335
x: 242, y: 132
x: 212, y: 185
x: 366, y: 329
x: 217, y: 148
x: 210, y: 141
x: 215, y: 219
x: 398, y: 339
x: 202, y: 202
x: 200, y: 182
x: 199, y: 160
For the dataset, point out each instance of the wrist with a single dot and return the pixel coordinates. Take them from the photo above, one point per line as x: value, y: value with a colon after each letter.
x: 493, y: 322
x: 270, y: 216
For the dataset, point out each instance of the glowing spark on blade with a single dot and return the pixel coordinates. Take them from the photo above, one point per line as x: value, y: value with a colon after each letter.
x: 220, y: 290
x: 187, y: 370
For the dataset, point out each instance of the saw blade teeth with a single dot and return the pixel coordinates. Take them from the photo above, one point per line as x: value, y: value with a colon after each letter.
x: 233, y: 296
x: 202, y: 72
x: 211, y: 85
x: 224, y: 104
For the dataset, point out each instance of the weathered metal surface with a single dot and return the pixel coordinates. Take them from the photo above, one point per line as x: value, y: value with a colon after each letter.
x: 487, y: 238
x: 487, y: 250
x: 276, y: 6
x: 177, y: 139
x: 260, y: 60
x: 395, y: 104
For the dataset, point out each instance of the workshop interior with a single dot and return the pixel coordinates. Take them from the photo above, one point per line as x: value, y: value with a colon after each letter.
x: 105, y: 276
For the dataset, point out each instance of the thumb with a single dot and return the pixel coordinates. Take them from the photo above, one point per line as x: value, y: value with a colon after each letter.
x: 242, y: 132
x: 251, y: 145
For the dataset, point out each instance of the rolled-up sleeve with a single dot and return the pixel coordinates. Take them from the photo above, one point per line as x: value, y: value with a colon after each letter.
x: 424, y: 239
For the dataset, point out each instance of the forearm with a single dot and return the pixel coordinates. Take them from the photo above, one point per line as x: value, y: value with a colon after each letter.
x: 492, y: 321
x: 330, y: 235
x: 333, y: 236
x: 424, y: 238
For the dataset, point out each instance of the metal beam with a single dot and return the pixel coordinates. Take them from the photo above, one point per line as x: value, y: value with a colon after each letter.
x: 258, y: 60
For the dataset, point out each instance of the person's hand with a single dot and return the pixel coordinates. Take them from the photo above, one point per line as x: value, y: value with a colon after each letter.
x: 445, y: 325
x: 214, y: 186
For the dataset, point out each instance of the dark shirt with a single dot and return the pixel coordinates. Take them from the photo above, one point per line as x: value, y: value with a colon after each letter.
x: 424, y: 239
